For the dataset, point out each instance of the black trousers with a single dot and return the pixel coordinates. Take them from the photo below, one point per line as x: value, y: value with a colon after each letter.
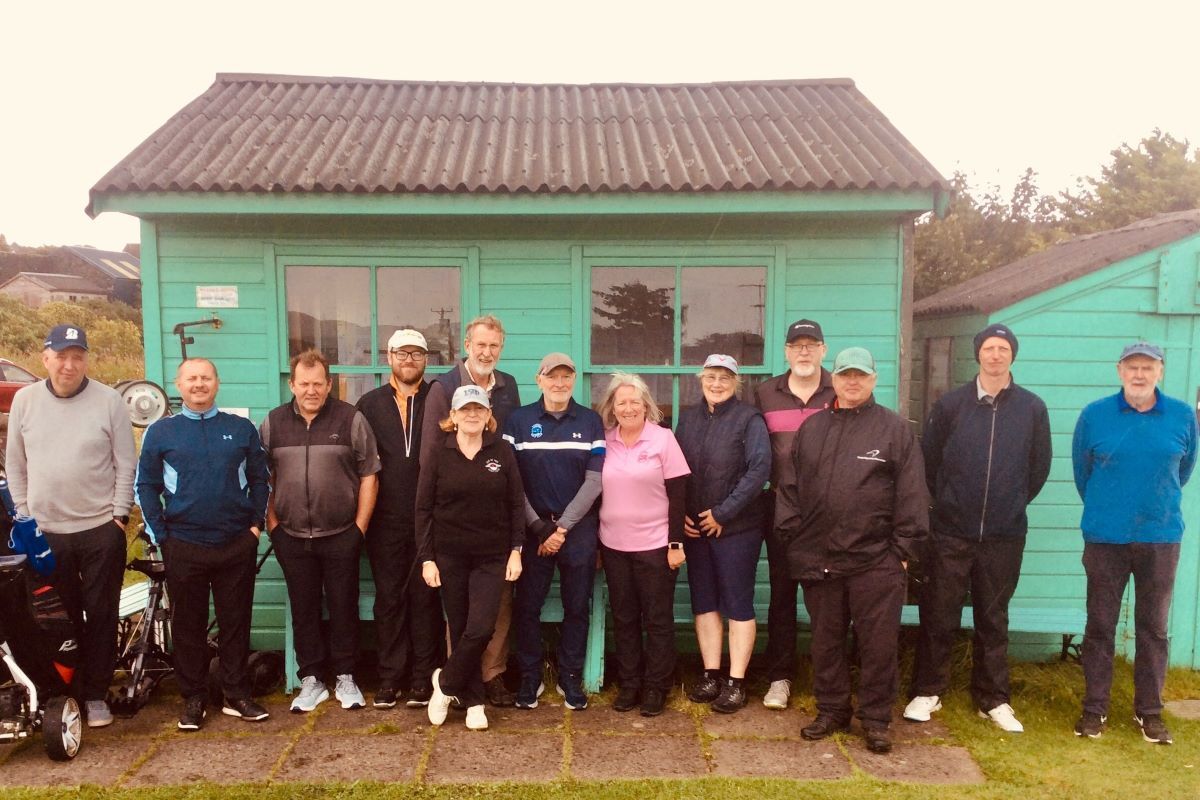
x: 872, y: 601
x: 641, y: 592
x: 779, y: 659
x: 471, y: 587
x: 315, y: 570
x: 408, y: 614
x: 228, y: 572
x: 1108, y: 567
x: 990, y: 569
x: 89, y: 567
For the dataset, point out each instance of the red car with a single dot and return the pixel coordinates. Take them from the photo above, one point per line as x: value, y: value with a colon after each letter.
x: 12, y: 378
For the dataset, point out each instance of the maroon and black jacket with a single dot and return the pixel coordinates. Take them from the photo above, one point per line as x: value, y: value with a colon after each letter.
x: 785, y: 413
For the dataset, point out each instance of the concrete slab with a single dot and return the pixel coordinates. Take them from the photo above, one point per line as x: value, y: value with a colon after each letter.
x: 597, y: 757
x: 1184, y: 709
x: 774, y: 758
x: 183, y: 758
x: 757, y: 721
x: 545, y: 718
x: 281, y: 721
x: 99, y: 762
x: 351, y: 757
x: 603, y: 719
x: 154, y: 718
x: 463, y: 756
x: 917, y: 763
x: 332, y: 717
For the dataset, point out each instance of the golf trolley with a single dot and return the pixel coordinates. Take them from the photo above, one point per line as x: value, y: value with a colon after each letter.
x: 144, y: 657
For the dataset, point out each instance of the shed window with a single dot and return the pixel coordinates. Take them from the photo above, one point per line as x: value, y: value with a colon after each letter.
x: 663, y: 321
x: 939, y: 368
x: 349, y: 312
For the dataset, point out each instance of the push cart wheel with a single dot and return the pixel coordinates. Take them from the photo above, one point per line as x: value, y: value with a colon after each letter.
x: 62, y: 728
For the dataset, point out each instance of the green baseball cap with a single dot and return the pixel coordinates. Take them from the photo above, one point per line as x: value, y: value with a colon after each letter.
x: 858, y: 358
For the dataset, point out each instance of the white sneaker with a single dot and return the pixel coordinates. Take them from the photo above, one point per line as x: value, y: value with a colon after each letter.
x: 920, y: 707
x: 1002, y: 715
x: 348, y: 693
x: 97, y: 713
x: 476, y: 718
x: 777, y: 695
x: 312, y: 693
x: 439, y: 702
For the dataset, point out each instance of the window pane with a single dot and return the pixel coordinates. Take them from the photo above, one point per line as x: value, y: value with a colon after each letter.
x: 660, y: 390
x: 351, y: 387
x: 633, y: 315
x: 722, y: 309
x: 424, y: 298
x: 690, y: 393
x: 329, y: 308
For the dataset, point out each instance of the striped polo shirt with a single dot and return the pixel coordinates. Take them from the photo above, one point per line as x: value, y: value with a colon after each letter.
x: 785, y: 413
x: 555, y: 452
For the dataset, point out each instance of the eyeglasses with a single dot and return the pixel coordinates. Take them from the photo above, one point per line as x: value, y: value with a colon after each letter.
x: 805, y: 348
x: 717, y: 379
x: 405, y: 355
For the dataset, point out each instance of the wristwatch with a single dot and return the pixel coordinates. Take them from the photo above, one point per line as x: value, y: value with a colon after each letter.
x: 674, y: 545
x: 519, y: 548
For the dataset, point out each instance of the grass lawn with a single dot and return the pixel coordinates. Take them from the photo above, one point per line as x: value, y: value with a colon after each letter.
x: 1047, y: 761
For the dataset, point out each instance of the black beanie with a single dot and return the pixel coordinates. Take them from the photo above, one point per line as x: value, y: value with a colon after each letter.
x: 1001, y: 331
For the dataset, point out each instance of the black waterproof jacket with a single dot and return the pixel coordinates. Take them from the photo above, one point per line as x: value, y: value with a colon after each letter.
x: 858, y: 495
x: 399, y: 454
x: 729, y: 453
x: 984, y: 462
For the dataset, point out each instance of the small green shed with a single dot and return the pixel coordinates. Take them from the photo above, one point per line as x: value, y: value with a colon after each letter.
x: 631, y: 226
x: 1073, y: 307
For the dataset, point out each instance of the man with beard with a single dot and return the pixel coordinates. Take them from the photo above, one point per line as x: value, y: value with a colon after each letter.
x: 483, y: 345
x: 786, y: 401
x: 408, y: 619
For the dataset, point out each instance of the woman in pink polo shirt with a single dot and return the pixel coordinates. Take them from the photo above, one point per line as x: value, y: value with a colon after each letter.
x: 641, y: 539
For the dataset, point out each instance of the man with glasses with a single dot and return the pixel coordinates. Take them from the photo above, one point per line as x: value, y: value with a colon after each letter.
x: 786, y: 401
x: 408, y: 618
x: 483, y: 344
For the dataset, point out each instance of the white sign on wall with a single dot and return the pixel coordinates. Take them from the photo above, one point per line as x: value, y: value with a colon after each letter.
x: 216, y: 297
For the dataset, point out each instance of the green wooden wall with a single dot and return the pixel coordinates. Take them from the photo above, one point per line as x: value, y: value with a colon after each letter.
x: 1070, y: 338
x: 845, y: 272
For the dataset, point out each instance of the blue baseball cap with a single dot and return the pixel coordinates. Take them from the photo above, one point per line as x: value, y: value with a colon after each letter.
x: 63, y: 336
x: 1142, y: 349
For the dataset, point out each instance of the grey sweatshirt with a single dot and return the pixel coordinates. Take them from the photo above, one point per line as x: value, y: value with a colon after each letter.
x: 70, y: 460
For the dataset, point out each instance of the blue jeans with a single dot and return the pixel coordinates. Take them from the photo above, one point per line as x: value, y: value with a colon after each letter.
x: 576, y: 564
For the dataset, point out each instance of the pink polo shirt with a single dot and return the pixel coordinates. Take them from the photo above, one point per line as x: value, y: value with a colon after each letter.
x: 633, y: 508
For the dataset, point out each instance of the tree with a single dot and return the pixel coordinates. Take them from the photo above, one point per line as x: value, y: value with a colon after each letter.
x: 1158, y: 175
x: 640, y: 327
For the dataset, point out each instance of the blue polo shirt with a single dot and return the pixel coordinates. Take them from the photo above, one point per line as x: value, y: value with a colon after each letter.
x: 1130, y: 468
x: 555, y: 453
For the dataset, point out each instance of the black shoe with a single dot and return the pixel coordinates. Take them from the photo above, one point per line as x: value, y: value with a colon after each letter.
x: 652, y: 702
x: 418, y: 696
x: 879, y: 739
x: 1090, y: 725
x: 705, y: 689
x: 1154, y: 730
x: 497, y: 693
x: 823, y: 726
x: 731, y: 698
x: 242, y: 708
x: 627, y: 699
x: 571, y: 689
x: 386, y: 697
x: 193, y: 713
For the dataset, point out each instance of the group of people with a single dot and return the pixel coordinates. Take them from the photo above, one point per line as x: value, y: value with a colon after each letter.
x: 468, y: 502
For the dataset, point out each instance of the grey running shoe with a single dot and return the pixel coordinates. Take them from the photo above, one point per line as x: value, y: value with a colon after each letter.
x: 312, y: 693
x: 777, y: 695
x: 98, y: 715
x: 348, y: 693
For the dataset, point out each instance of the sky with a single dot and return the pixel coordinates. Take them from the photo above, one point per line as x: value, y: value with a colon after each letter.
x: 986, y: 88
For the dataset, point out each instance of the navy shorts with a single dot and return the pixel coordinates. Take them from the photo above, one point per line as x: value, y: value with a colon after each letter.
x: 720, y: 573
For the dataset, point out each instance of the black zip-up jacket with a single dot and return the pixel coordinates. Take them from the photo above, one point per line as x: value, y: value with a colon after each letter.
x: 317, y: 467
x: 729, y: 453
x: 858, y: 494
x: 399, y: 453
x: 985, y: 462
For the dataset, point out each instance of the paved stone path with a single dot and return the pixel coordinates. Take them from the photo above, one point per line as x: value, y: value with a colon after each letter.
x: 546, y: 744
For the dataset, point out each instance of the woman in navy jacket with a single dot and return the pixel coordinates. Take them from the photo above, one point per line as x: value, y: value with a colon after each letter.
x: 728, y: 450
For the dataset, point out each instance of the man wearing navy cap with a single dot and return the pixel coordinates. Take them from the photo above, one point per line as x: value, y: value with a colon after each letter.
x: 70, y: 462
x: 1132, y: 453
x: 987, y: 455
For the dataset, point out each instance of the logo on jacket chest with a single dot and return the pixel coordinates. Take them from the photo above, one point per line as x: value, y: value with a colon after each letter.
x: 535, y: 431
x: 872, y: 455
x: 491, y: 465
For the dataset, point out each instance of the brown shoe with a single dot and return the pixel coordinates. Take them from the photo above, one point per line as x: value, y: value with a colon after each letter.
x: 497, y: 693
x: 879, y: 739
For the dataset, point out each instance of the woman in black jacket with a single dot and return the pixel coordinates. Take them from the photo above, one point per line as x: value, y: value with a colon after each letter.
x: 470, y: 523
x: 728, y: 450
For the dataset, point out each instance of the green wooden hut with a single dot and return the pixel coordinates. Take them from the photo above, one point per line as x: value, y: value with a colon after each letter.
x: 1073, y: 307
x: 631, y: 226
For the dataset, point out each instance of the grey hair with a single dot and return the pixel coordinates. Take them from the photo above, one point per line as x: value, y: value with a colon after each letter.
x: 605, y: 409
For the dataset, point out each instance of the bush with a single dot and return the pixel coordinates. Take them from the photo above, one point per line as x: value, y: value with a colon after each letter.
x: 113, y: 329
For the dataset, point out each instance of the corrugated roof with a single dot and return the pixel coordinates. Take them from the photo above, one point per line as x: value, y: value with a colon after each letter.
x: 1054, y: 266
x: 277, y: 133
x: 55, y: 282
x: 113, y: 263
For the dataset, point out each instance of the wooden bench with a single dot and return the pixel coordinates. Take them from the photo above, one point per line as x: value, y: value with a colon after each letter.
x: 593, y: 670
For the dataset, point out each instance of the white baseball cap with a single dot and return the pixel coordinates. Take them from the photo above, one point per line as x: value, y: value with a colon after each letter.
x: 723, y: 361
x: 470, y: 393
x: 407, y: 337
